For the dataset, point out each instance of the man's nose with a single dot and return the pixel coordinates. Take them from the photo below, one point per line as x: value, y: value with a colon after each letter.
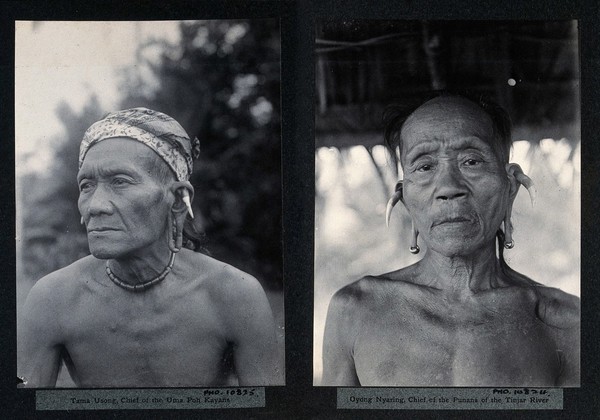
x: 99, y: 202
x: 450, y: 183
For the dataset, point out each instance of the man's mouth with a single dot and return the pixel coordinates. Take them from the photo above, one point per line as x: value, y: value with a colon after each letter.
x: 448, y: 220
x: 101, y: 229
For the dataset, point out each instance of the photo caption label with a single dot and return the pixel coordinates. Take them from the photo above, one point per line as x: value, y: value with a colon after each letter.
x: 450, y: 398
x: 123, y: 399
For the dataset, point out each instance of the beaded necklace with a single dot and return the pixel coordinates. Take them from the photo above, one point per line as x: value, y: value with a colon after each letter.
x: 141, y: 286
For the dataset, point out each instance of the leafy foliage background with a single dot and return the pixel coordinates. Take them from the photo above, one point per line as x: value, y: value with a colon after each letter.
x: 222, y: 83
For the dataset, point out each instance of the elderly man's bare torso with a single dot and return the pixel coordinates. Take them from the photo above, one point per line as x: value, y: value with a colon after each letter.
x: 188, y: 330
x: 390, y: 331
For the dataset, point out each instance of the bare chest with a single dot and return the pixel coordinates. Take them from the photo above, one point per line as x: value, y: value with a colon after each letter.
x: 470, y: 345
x: 146, y: 343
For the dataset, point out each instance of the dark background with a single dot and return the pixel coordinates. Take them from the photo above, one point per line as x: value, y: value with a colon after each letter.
x: 363, y: 66
x: 299, y: 399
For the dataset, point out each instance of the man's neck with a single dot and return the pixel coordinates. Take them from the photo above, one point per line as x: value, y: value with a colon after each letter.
x: 143, y: 266
x: 462, y: 276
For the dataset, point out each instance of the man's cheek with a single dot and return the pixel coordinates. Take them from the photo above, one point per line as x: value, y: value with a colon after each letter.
x: 81, y: 206
x: 147, y: 216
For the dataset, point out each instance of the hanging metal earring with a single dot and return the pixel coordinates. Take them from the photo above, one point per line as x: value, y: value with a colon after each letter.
x: 414, y: 246
x: 82, y: 222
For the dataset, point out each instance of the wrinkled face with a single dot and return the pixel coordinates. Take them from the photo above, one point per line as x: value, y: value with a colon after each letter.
x: 455, y: 186
x: 124, y: 206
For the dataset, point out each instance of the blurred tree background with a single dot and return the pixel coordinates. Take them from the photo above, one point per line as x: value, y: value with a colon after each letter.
x: 221, y: 81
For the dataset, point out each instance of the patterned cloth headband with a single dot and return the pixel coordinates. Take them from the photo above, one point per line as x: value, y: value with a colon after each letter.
x: 156, y: 130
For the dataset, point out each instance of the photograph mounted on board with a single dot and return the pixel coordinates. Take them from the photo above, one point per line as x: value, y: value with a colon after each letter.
x: 447, y: 207
x: 148, y: 183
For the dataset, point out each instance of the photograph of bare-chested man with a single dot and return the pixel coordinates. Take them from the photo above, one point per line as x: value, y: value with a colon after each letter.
x: 148, y: 204
x: 432, y: 128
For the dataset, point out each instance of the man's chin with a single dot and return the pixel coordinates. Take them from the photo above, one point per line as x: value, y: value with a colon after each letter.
x: 458, y: 247
x: 104, y: 255
x: 105, y: 252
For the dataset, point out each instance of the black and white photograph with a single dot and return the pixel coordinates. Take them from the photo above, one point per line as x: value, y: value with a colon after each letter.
x: 447, y: 203
x: 148, y: 204
x: 300, y: 209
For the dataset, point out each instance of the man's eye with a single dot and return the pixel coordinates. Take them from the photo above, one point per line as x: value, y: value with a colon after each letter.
x: 85, y: 186
x: 424, y: 167
x: 120, y: 181
x: 472, y: 162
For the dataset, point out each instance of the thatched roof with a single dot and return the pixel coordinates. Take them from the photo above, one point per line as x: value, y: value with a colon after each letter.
x: 530, y: 68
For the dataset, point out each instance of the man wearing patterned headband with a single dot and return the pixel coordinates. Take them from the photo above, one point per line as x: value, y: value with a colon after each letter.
x: 143, y: 310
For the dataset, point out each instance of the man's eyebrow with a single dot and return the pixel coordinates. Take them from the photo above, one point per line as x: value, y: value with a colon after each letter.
x: 107, y: 172
x: 489, y: 149
x: 81, y: 175
x: 421, y: 149
x: 115, y: 171
x: 473, y: 142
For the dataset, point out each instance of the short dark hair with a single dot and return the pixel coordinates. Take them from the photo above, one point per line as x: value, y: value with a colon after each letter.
x: 396, y: 115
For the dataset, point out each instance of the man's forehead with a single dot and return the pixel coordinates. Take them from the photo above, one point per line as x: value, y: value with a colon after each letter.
x: 444, y: 112
x: 445, y: 117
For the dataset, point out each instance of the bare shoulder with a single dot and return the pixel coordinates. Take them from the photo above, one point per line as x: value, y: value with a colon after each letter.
x: 61, y: 285
x: 355, y: 292
x: 352, y: 297
x: 557, y: 308
x: 49, y: 303
x: 226, y: 284
x: 561, y: 312
x: 239, y: 302
x: 394, y: 284
x: 371, y: 291
x: 345, y: 312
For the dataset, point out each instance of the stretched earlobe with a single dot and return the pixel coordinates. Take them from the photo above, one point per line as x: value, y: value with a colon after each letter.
x: 514, y: 171
x: 508, y: 228
x: 175, y: 234
x: 397, y: 196
x: 414, y: 246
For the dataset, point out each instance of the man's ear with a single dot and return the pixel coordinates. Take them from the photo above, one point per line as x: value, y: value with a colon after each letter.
x: 397, y: 196
x: 516, y: 178
x: 183, y: 191
x: 512, y: 181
